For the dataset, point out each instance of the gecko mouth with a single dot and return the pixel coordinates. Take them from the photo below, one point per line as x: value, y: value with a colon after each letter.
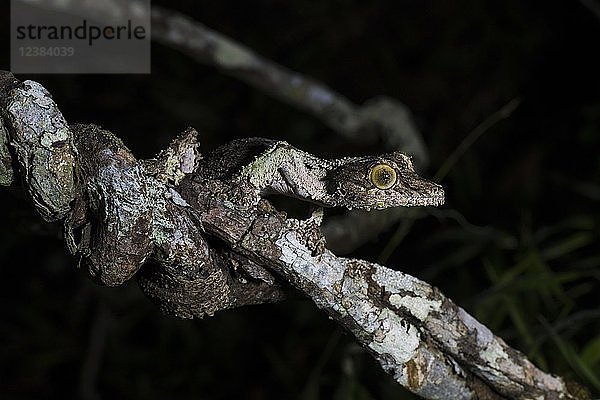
x: 426, y: 194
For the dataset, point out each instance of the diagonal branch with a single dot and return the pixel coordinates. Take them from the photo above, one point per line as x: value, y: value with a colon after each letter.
x: 428, y: 343
x: 129, y: 214
x: 379, y: 120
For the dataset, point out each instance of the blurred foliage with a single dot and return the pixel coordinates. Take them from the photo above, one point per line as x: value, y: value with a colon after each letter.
x: 516, y: 244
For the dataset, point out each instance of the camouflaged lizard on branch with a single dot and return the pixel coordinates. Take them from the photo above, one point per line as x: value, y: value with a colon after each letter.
x: 196, y: 233
x: 243, y: 171
x: 276, y: 167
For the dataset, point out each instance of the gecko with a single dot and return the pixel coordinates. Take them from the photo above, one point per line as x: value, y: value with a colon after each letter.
x: 247, y: 171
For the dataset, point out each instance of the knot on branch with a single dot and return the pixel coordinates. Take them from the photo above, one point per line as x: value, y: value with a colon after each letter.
x: 121, y: 213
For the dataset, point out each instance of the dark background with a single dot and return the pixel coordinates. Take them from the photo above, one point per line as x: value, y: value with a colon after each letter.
x: 516, y: 244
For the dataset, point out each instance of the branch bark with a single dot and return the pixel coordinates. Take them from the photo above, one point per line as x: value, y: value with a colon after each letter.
x: 6, y: 172
x: 129, y: 212
x: 381, y: 120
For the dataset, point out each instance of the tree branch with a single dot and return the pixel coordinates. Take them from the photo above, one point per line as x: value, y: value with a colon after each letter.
x: 125, y: 212
x: 6, y: 172
x: 381, y: 120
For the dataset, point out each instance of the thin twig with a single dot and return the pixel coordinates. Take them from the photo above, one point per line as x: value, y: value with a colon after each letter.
x: 93, y: 360
x: 593, y: 6
x: 475, y: 134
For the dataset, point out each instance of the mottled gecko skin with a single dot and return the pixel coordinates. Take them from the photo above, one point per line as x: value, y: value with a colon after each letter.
x: 244, y: 171
x: 371, y: 182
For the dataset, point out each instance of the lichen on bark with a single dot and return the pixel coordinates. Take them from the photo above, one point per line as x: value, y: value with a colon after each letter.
x: 7, y: 175
x: 208, y: 244
x: 43, y: 144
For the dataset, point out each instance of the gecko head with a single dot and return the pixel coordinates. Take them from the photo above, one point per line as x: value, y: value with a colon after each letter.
x: 381, y: 182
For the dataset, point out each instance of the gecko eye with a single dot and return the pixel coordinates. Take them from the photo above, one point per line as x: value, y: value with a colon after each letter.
x: 383, y: 176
